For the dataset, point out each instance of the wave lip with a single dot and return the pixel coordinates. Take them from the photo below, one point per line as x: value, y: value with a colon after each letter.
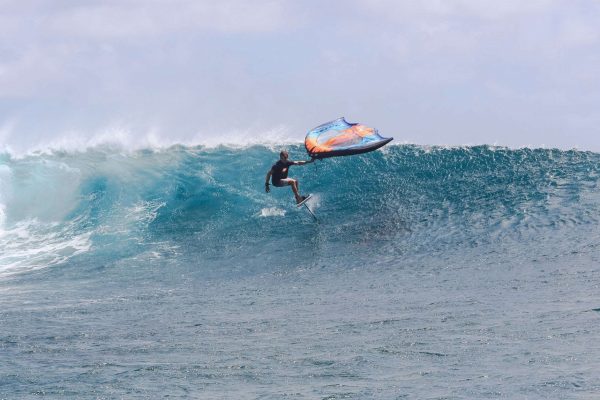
x: 119, y: 139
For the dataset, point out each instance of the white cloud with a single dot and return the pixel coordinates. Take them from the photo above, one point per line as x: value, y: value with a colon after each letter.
x: 135, y: 19
x: 407, y: 10
x: 579, y: 32
x: 435, y: 68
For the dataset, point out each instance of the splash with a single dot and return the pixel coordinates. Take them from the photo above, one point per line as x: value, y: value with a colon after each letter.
x: 272, y: 212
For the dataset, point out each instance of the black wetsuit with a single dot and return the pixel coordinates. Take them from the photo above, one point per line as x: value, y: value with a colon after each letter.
x: 279, y: 171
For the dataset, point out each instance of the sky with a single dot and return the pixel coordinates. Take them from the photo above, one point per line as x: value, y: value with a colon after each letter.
x: 436, y: 72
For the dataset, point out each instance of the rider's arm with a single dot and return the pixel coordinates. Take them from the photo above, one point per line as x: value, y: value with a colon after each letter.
x: 267, y: 189
x: 303, y: 162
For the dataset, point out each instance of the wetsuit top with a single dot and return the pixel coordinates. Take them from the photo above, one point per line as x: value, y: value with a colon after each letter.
x: 279, y: 171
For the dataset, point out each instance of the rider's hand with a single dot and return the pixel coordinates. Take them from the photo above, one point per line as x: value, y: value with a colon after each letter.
x: 267, y: 188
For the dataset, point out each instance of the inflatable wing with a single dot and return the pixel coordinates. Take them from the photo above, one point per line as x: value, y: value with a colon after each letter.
x: 341, y: 138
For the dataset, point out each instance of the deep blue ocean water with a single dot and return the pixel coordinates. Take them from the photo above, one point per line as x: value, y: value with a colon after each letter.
x: 433, y: 273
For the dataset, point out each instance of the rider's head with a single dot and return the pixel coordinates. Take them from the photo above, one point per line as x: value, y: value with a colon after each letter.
x: 283, y: 155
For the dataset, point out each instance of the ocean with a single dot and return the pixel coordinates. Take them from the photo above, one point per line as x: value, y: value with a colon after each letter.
x: 432, y: 273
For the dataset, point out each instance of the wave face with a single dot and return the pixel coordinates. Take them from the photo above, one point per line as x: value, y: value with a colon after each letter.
x: 432, y: 273
x: 208, y: 206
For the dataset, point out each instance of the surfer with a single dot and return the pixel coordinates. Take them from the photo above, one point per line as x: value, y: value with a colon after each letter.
x: 279, y: 172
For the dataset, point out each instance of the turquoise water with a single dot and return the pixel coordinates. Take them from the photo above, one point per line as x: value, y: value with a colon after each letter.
x: 433, y: 273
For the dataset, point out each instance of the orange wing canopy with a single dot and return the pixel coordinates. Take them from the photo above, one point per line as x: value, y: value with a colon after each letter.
x: 341, y: 138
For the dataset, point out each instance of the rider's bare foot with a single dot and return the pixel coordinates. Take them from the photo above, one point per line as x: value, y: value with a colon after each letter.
x: 300, y: 199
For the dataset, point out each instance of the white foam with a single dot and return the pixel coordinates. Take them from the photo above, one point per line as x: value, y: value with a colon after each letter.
x: 5, y: 174
x: 2, y: 218
x: 32, y: 245
x: 144, y: 211
x: 272, y: 212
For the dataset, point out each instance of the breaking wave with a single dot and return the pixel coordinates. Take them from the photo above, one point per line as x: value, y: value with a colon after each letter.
x: 207, y: 207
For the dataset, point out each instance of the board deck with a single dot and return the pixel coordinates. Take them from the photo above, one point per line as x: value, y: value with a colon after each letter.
x: 304, y: 201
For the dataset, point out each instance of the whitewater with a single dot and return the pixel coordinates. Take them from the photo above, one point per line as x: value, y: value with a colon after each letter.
x: 433, y: 273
